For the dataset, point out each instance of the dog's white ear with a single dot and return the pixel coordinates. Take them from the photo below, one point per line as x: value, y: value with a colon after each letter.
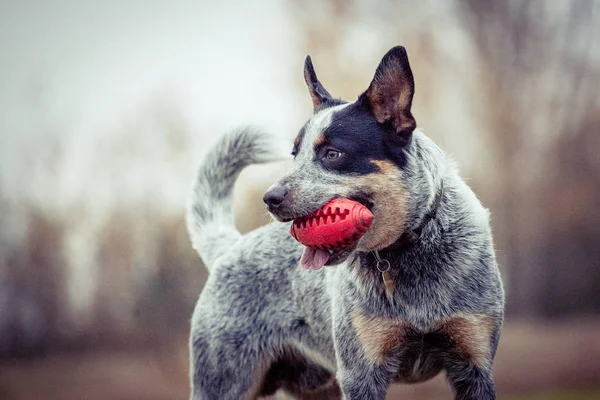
x: 317, y: 92
x: 390, y: 94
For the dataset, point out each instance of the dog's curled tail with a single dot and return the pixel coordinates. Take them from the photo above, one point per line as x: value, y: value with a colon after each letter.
x: 209, y: 212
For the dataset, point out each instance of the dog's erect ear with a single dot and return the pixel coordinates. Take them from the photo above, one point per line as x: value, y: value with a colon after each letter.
x: 317, y: 92
x: 391, y: 92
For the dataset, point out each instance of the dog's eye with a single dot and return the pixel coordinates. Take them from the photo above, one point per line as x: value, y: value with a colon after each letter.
x: 332, y: 154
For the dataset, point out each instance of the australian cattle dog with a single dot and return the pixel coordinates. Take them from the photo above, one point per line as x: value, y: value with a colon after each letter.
x: 271, y: 319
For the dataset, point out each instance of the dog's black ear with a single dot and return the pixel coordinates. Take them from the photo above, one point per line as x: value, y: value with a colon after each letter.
x: 390, y: 94
x: 317, y: 92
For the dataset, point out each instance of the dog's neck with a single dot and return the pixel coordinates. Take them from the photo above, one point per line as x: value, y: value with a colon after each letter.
x: 412, y: 236
x: 380, y: 261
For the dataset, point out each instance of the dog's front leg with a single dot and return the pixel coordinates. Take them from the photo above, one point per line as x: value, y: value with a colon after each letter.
x: 362, y: 382
x: 364, y: 373
x: 471, y: 382
x: 469, y: 366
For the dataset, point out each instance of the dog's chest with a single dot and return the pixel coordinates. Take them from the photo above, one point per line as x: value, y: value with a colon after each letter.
x: 421, y: 353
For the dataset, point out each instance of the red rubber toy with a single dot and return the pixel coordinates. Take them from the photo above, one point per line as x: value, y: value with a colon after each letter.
x: 335, y: 226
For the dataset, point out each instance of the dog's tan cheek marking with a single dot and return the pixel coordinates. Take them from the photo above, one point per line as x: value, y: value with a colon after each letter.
x: 390, y: 208
x: 377, y: 336
x: 470, y: 335
x: 385, y: 167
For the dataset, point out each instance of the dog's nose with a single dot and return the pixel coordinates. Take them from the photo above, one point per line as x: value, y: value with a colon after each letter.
x: 275, y: 196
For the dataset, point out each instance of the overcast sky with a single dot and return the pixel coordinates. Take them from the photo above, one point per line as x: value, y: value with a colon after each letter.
x: 93, y: 73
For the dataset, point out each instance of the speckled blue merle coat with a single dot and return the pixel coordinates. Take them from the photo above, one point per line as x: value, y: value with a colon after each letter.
x: 263, y: 324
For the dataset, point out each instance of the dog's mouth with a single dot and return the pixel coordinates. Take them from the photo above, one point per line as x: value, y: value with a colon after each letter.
x: 288, y: 214
x: 364, y: 199
x: 315, y: 258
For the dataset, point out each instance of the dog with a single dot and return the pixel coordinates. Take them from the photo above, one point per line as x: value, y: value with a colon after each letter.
x: 420, y: 293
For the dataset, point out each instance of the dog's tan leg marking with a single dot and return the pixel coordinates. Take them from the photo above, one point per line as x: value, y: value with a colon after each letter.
x: 390, y: 205
x: 470, y: 334
x: 377, y: 336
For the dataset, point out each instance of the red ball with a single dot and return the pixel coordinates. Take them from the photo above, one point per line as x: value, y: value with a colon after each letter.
x: 335, y: 226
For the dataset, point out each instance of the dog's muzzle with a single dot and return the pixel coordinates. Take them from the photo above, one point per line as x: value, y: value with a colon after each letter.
x: 275, y: 197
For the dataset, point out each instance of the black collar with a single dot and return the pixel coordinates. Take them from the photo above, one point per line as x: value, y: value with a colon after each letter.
x: 411, y: 237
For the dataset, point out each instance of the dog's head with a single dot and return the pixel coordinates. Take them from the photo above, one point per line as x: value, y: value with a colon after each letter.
x: 356, y: 150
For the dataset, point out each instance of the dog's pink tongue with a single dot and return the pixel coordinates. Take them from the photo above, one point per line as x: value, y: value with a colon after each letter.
x: 314, y: 258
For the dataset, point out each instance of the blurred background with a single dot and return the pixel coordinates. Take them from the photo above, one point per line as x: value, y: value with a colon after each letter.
x: 106, y: 109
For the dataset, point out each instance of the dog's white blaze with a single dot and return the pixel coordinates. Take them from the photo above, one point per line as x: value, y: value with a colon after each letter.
x: 318, y: 123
